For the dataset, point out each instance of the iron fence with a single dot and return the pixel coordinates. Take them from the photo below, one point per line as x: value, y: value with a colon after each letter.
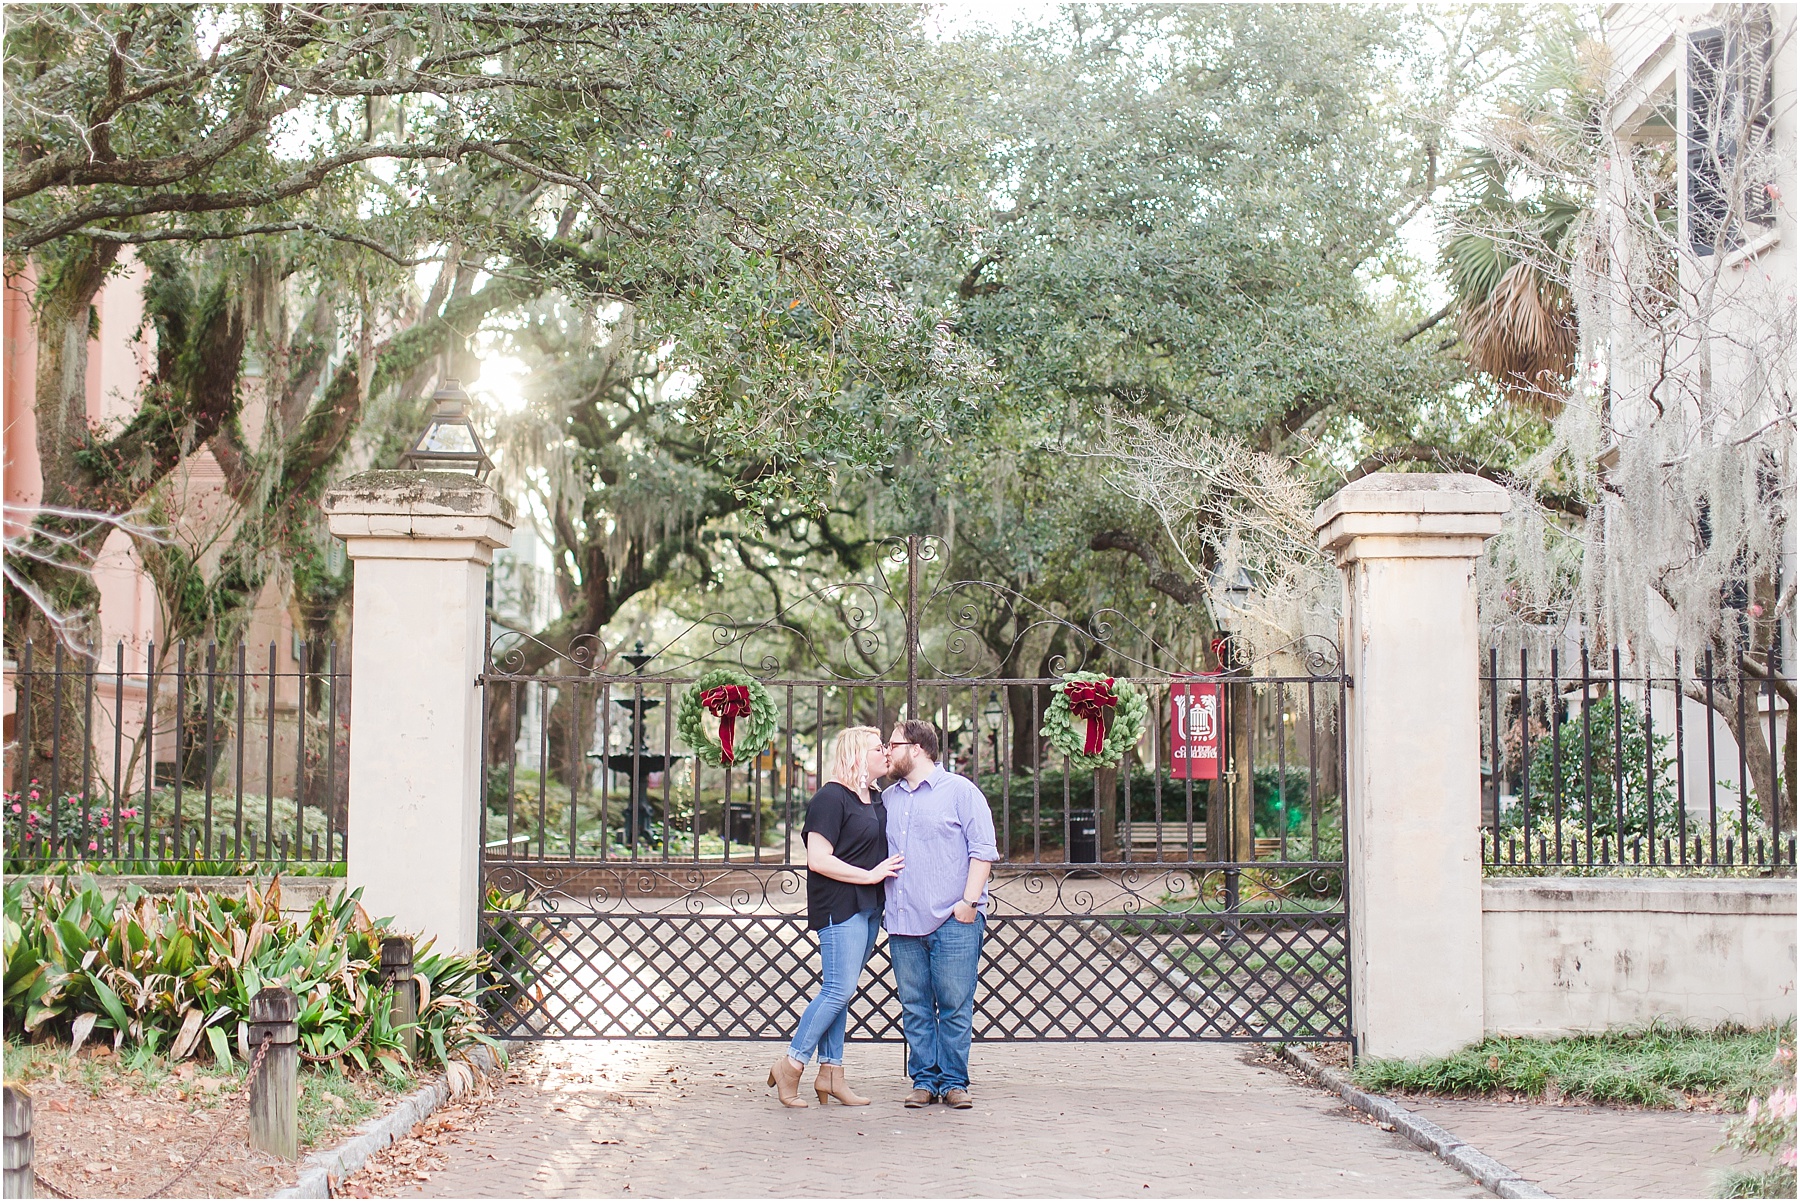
x: 1590, y: 768
x: 188, y: 758
x: 590, y: 768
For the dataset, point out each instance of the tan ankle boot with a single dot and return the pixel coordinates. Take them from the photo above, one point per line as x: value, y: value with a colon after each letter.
x: 786, y: 1080
x: 830, y: 1083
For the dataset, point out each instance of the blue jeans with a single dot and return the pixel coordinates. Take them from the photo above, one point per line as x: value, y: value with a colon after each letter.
x: 935, y: 975
x: 844, y: 947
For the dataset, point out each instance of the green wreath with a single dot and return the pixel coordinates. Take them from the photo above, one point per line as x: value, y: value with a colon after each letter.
x: 754, y: 722
x: 1065, y: 729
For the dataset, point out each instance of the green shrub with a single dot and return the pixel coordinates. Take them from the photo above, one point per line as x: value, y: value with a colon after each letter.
x: 1590, y: 780
x: 176, y: 972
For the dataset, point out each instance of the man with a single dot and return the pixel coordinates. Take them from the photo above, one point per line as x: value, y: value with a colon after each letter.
x: 941, y: 824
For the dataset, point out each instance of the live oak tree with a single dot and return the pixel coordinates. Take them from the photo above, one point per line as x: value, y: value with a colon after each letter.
x: 728, y: 171
x: 1184, y: 209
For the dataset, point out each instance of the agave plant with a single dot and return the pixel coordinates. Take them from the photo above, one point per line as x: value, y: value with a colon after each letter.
x: 176, y: 972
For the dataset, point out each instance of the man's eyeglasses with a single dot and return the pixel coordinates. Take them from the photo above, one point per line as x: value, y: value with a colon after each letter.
x: 898, y: 743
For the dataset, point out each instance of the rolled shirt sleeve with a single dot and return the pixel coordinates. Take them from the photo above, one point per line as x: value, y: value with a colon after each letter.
x: 977, y: 822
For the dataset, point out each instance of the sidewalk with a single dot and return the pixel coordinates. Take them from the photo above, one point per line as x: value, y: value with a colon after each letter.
x: 1593, y: 1151
x: 1150, y: 1120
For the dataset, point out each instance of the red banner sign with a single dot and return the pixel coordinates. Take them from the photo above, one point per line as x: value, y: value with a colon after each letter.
x: 1194, y: 730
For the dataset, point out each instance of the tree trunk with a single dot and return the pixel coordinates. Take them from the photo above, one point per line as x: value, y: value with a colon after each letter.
x: 1243, y: 783
x: 1106, y: 811
x: 1752, y: 736
x: 64, y: 323
x: 1230, y: 805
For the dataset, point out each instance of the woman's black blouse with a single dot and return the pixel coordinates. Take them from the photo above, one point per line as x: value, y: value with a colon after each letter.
x: 857, y: 831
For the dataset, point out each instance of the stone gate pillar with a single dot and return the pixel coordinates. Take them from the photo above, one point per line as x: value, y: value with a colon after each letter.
x: 419, y: 543
x: 1406, y: 544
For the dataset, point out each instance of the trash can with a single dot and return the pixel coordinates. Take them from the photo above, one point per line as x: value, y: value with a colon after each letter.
x: 741, y: 821
x: 1084, y: 837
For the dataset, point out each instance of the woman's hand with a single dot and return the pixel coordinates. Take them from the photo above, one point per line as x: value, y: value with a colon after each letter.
x: 887, y: 868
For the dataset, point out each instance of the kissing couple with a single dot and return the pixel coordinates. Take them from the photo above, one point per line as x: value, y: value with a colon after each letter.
x: 915, y: 858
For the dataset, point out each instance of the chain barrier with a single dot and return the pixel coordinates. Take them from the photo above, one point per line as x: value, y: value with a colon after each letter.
x: 333, y: 1058
x: 44, y: 1184
x: 262, y: 1051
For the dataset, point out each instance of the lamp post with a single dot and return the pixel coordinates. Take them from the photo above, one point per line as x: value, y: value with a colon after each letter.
x: 991, y: 716
x: 449, y: 442
x: 1239, y: 590
x: 1232, y: 835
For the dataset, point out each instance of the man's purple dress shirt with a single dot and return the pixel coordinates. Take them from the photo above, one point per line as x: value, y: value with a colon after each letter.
x: 939, y: 827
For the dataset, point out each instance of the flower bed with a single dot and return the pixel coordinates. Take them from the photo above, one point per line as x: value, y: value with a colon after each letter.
x: 174, y: 973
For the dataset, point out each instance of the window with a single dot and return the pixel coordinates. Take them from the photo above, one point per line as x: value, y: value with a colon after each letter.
x: 1728, y: 102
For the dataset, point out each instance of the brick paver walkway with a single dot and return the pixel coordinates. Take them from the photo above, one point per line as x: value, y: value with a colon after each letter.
x: 1593, y: 1151
x: 1052, y: 1120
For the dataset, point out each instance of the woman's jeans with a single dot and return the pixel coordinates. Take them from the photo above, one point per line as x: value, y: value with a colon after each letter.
x: 844, y: 947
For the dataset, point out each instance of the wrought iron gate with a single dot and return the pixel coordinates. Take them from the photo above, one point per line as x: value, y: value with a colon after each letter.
x: 632, y: 892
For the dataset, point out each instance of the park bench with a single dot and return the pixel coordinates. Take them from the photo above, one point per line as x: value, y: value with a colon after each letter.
x: 1142, y: 837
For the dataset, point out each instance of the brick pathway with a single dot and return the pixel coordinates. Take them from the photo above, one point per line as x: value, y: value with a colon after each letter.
x: 1593, y: 1151
x: 1052, y: 1120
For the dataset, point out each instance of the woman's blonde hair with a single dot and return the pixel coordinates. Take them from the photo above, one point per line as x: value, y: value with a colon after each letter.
x: 847, y: 752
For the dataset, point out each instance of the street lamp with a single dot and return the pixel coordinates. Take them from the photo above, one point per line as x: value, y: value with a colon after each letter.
x: 449, y: 442
x: 1238, y: 591
x: 991, y: 716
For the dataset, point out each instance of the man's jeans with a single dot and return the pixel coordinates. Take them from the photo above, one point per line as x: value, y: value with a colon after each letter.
x: 935, y: 975
x: 844, y: 947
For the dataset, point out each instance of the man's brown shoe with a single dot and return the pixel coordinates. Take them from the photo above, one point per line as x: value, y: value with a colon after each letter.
x: 919, y: 1098
x: 958, y: 1099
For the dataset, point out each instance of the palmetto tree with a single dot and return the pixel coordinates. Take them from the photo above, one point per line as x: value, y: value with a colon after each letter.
x: 1516, y: 320
x: 1518, y: 205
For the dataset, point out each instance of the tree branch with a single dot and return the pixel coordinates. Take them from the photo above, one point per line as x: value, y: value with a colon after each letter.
x: 142, y: 237
x: 1173, y: 584
x: 1433, y: 320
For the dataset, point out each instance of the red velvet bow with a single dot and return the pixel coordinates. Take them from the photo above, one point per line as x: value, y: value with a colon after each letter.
x: 1091, y: 699
x: 727, y: 703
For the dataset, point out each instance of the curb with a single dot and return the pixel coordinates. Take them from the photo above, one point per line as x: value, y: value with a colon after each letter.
x: 322, y: 1172
x: 1470, y: 1161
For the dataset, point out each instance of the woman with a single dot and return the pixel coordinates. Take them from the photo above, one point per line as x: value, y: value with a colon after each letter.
x: 846, y: 863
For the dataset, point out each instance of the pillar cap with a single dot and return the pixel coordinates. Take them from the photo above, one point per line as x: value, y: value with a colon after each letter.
x: 389, y: 505
x: 1403, y: 514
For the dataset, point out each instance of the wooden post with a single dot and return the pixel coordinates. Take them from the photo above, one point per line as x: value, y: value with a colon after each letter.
x: 20, y: 1165
x: 275, y: 1089
x: 397, y: 970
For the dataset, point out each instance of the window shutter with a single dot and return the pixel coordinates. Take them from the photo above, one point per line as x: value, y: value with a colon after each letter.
x: 1706, y: 203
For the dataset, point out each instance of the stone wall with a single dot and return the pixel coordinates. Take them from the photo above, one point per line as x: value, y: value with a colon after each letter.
x: 298, y: 893
x: 1565, y: 955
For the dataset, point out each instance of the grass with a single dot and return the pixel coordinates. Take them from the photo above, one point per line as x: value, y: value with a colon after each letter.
x: 1660, y: 1067
x: 1313, y: 965
x: 136, y: 1069
x: 330, y: 1100
x: 1770, y: 1183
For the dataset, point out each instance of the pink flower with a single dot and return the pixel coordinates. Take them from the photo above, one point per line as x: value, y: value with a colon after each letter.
x: 18, y: 808
x: 93, y: 846
x: 32, y: 819
x: 34, y: 795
